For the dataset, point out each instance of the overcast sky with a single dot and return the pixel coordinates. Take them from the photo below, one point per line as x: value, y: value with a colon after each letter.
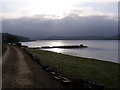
x: 41, y: 18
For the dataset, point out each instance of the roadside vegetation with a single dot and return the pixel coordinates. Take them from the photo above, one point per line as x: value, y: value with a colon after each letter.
x: 0, y: 48
x: 3, y: 49
x: 74, y: 68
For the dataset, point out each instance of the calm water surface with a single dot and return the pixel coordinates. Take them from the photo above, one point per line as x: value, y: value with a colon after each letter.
x: 99, y: 49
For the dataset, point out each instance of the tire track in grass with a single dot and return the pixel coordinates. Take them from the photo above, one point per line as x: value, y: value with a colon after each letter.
x: 19, y: 71
x: 23, y: 71
x: 9, y: 67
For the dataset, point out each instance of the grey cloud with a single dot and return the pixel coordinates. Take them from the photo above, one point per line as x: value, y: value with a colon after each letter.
x: 72, y: 25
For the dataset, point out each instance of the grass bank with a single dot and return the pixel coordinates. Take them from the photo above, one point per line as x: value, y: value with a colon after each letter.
x: 3, y: 48
x: 76, y: 68
x: 0, y: 48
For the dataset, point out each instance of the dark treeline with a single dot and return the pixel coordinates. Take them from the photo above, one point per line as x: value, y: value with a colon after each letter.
x: 9, y: 38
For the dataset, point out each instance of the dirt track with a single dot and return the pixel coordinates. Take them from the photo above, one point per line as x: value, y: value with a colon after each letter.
x: 19, y: 71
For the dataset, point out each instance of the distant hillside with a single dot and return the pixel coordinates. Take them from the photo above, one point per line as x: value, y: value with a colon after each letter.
x: 116, y: 37
x: 20, y: 38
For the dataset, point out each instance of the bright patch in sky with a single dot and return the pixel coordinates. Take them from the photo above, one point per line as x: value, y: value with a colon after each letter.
x: 49, y: 7
x: 54, y: 8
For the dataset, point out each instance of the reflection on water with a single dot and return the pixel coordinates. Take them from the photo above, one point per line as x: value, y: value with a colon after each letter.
x: 55, y: 50
x: 100, y: 49
x: 59, y: 43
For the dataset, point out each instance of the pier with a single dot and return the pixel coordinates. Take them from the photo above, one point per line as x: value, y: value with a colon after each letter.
x: 65, y: 46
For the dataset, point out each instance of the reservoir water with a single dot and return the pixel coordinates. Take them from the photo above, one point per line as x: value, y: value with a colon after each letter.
x: 99, y: 49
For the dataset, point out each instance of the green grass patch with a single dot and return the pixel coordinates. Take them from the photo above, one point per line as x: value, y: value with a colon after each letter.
x: 0, y: 48
x: 3, y: 49
x: 102, y: 72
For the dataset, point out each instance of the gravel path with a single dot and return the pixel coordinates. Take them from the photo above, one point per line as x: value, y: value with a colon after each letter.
x: 19, y: 71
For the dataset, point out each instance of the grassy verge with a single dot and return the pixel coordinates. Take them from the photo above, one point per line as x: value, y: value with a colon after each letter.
x: 76, y: 68
x: 3, y: 49
x: 0, y: 49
